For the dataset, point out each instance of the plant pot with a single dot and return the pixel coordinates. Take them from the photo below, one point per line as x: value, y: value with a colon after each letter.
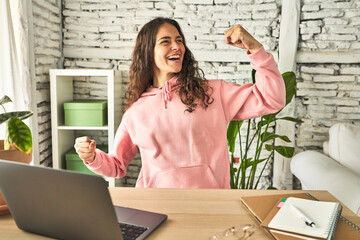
x: 11, y: 155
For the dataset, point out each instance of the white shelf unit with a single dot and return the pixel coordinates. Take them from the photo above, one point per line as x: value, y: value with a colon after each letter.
x: 61, y: 91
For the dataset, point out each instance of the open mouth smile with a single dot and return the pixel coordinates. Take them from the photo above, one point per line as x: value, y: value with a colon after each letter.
x: 175, y: 57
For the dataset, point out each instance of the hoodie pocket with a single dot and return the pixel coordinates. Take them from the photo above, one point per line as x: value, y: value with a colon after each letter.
x: 185, y: 177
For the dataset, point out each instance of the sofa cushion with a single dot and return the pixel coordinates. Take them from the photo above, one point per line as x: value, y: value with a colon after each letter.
x: 344, y: 145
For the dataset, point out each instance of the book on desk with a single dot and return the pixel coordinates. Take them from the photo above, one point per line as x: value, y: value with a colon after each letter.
x: 304, y: 218
x: 264, y: 208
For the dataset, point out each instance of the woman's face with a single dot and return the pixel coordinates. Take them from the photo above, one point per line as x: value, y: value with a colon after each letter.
x: 168, y: 52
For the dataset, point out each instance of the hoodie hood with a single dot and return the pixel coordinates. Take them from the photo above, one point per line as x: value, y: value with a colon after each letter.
x: 166, y: 90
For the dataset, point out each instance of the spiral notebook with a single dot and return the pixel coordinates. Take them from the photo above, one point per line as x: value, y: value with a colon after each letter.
x: 264, y: 207
x: 290, y: 219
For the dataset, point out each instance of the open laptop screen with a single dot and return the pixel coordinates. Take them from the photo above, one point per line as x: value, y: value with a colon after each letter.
x: 64, y: 204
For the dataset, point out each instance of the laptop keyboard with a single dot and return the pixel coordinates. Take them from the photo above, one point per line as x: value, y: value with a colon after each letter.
x: 131, y: 232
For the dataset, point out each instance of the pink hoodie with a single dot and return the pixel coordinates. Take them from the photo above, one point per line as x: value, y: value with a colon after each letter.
x: 189, y: 150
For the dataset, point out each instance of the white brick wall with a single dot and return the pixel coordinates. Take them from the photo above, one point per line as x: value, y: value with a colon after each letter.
x: 101, y: 34
x: 327, y: 92
x: 48, y: 54
x: 328, y: 96
x: 327, y: 24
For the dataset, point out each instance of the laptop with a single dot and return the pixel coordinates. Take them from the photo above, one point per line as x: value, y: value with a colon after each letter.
x: 68, y: 205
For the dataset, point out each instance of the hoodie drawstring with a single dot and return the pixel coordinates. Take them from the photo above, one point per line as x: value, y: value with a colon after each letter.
x: 166, y: 90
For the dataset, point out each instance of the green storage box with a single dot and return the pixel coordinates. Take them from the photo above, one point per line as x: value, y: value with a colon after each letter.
x: 85, y: 113
x: 74, y: 162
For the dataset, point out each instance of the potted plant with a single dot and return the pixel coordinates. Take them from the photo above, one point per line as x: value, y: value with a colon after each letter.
x: 17, y: 144
x: 242, y: 175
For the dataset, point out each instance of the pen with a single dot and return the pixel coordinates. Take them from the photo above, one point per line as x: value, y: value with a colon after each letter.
x: 303, y: 217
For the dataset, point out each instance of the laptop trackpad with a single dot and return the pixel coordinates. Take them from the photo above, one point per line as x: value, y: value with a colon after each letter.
x: 139, y: 217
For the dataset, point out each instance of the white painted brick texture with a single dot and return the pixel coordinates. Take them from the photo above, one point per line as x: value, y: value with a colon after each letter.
x: 330, y: 94
x: 47, y: 48
x: 327, y: 24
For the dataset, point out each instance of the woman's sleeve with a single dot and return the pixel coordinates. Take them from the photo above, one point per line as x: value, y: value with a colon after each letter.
x: 267, y: 95
x: 114, y: 164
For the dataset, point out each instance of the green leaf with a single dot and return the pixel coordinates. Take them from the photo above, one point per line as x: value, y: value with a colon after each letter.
x: 252, y: 163
x: 291, y: 119
x: 5, y: 99
x: 267, y: 119
x: 287, y: 152
x: 246, y: 163
x: 24, y: 114
x: 19, y: 134
x: 273, y: 119
x: 19, y: 114
x: 253, y: 75
x: 266, y: 136
x: 232, y: 131
x: 290, y: 85
x: 272, y: 188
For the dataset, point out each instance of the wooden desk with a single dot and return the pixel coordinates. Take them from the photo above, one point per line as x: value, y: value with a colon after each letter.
x: 192, y: 213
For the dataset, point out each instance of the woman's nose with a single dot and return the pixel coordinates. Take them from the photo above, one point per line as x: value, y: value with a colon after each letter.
x: 174, y: 46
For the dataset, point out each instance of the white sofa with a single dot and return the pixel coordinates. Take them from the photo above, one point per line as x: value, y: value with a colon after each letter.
x: 337, y: 170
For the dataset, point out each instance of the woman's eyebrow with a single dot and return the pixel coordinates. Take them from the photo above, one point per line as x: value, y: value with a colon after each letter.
x: 167, y: 37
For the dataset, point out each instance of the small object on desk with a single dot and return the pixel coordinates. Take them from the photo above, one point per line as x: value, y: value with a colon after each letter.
x: 302, y: 216
x: 235, y: 233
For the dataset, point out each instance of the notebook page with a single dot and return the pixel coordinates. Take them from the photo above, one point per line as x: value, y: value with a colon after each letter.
x: 322, y: 213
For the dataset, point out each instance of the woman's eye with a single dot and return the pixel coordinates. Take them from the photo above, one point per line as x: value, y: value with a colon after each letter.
x: 163, y: 42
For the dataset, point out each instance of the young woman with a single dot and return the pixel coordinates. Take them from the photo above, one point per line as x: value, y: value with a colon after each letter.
x: 176, y: 118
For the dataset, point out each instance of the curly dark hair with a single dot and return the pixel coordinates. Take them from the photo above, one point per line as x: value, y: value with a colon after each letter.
x: 193, y: 87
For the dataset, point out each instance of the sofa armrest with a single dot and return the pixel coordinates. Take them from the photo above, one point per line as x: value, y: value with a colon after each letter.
x: 317, y: 171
